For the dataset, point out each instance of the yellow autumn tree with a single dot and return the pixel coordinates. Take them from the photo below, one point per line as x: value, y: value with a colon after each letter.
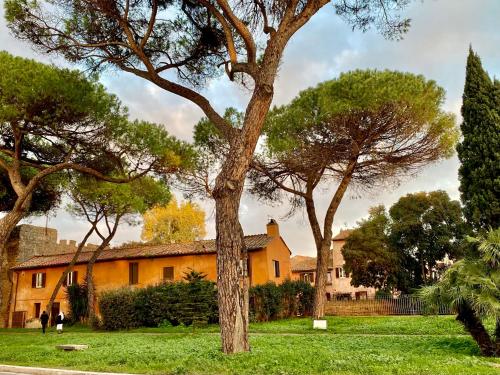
x: 184, y: 222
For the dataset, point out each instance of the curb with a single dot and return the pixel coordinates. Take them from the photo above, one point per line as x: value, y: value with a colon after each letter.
x: 50, y: 371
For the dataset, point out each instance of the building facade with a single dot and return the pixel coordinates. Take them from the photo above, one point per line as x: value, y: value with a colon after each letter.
x: 34, y: 278
x: 338, y: 284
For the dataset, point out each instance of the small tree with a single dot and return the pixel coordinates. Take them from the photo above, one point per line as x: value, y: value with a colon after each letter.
x: 197, y: 41
x: 174, y: 223
x: 364, y: 128
x: 472, y: 288
x: 369, y: 258
x: 479, y: 152
x: 112, y: 204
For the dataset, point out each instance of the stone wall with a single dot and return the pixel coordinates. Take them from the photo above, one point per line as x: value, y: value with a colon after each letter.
x: 32, y: 241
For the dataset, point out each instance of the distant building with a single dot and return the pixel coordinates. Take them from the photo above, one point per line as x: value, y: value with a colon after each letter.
x: 338, y: 281
x: 35, y: 276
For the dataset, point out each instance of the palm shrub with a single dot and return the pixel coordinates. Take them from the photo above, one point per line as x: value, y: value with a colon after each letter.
x: 471, y: 287
x: 76, y: 295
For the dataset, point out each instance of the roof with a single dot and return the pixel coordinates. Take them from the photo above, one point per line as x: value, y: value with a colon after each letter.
x: 253, y: 242
x: 343, y: 234
x: 301, y: 263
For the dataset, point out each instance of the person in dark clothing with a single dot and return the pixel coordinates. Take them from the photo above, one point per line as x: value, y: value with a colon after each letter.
x: 44, y: 319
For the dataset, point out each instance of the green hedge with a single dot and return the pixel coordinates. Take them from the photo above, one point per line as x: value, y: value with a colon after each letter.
x: 176, y: 303
x: 270, y: 301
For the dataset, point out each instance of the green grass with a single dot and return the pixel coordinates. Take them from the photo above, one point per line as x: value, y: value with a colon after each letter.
x: 354, y: 345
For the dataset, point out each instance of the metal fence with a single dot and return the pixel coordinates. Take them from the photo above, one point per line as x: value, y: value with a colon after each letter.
x: 402, y: 305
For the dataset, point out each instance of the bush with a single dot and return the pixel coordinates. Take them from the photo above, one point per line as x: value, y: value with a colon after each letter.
x: 186, y: 303
x: 289, y: 299
x: 118, y: 309
x: 76, y: 295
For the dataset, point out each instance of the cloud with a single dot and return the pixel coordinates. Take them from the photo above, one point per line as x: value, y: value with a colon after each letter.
x: 436, y: 46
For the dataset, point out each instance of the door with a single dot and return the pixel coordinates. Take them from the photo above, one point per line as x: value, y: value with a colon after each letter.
x: 54, y: 313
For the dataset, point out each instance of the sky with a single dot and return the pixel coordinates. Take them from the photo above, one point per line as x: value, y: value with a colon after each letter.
x: 436, y: 46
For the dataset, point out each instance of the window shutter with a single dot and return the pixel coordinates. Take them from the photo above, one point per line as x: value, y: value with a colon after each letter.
x: 337, y: 274
x: 133, y: 273
x: 168, y: 273
x: 276, y: 268
x: 33, y: 280
x: 44, y: 278
x: 75, y: 277
x: 65, y: 280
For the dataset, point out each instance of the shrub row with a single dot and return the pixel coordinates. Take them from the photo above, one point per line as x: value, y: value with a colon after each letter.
x: 193, y: 302
x: 270, y: 301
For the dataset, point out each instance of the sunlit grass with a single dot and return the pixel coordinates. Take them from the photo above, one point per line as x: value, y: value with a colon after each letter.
x: 354, y: 345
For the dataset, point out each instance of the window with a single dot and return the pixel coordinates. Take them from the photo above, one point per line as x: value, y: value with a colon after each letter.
x: 168, y: 273
x: 37, y: 309
x: 38, y: 280
x: 276, y: 265
x: 340, y: 273
x: 133, y: 273
x: 71, y: 278
x: 307, y: 277
x: 361, y: 295
x: 329, y: 278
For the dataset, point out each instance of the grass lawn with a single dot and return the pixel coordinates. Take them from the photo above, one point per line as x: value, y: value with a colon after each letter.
x: 354, y: 345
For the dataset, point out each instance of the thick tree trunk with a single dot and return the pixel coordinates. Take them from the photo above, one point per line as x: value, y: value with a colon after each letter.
x: 68, y: 269
x: 322, y: 264
x: 7, y: 225
x: 233, y: 308
x: 474, y: 326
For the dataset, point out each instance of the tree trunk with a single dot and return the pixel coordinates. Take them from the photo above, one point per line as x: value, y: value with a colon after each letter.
x: 497, y: 337
x: 91, y: 294
x: 474, y: 326
x: 68, y: 269
x: 90, y: 282
x: 322, y: 263
x: 233, y: 310
x: 91, y: 297
x: 7, y: 225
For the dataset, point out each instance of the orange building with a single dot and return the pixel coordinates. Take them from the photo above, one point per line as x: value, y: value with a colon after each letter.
x: 338, y: 283
x: 137, y: 266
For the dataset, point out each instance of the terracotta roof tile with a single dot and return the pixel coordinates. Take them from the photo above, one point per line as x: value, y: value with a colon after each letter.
x: 253, y: 242
x: 343, y: 234
x: 301, y: 263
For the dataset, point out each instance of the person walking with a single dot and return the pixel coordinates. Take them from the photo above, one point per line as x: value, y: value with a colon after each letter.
x: 59, y: 322
x: 44, y: 319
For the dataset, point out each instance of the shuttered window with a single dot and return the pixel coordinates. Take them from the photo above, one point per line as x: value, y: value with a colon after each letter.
x: 168, y: 273
x: 38, y: 280
x: 133, y: 273
x: 71, y: 278
x: 276, y: 265
x: 340, y: 273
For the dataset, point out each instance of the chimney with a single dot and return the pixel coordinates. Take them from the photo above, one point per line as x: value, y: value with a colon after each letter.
x: 273, y: 228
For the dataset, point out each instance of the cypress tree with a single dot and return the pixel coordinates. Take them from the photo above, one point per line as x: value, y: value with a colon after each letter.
x: 479, y: 151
